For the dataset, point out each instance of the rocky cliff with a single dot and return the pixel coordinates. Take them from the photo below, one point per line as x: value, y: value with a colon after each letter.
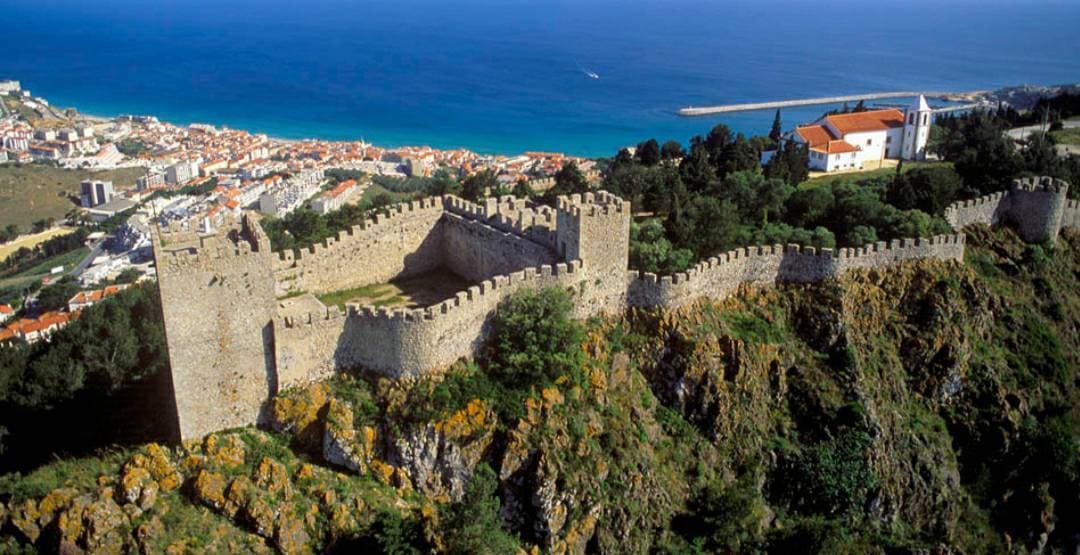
x: 927, y: 407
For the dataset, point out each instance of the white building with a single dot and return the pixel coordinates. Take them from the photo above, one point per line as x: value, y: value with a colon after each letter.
x: 181, y: 172
x: 335, y: 198
x: 152, y: 180
x: 95, y: 193
x: 848, y: 141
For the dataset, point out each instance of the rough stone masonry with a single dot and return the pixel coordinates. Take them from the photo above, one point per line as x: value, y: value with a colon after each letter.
x: 243, y: 322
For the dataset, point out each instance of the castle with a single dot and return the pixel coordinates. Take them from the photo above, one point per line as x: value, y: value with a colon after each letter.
x: 243, y: 322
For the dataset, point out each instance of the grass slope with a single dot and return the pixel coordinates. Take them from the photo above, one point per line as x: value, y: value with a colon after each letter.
x: 37, y: 191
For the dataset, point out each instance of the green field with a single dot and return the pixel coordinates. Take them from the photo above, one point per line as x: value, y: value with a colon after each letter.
x: 376, y: 189
x: 68, y: 260
x: 1069, y: 136
x: 822, y: 179
x: 37, y: 191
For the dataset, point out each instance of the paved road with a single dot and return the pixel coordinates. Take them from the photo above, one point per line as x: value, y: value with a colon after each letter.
x: 81, y: 267
x: 1021, y: 133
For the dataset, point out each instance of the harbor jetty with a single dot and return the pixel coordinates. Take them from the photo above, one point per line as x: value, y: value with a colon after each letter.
x: 748, y: 107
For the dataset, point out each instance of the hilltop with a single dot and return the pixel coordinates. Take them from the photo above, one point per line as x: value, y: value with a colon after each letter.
x: 931, y: 405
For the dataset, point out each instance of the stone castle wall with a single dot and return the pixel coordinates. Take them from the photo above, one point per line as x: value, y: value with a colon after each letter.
x: 401, y: 243
x: 719, y: 277
x: 475, y: 250
x: 409, y: 342
x: 1037, y: 207
x: 1071, y: 215
x: 232, y: 345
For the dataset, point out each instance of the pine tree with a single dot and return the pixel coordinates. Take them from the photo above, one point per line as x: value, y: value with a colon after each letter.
x: 776, y: 132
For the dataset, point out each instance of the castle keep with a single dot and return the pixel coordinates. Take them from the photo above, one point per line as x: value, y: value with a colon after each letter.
x: 243, y: 322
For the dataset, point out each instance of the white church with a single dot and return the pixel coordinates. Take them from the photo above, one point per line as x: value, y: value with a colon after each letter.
x: 845, y: 142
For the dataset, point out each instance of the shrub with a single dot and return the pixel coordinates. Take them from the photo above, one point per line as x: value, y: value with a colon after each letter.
x: 534, y: 340
x: 831, y: 477
x: 473, y: 525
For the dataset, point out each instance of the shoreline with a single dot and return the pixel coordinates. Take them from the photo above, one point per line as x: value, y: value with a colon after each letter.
x: 102, y: 119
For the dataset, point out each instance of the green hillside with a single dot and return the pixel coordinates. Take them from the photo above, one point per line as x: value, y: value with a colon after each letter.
x: 932, y: 406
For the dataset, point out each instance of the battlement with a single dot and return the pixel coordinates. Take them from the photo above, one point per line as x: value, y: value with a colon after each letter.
x: 462, y: 300
x: 509, y: 214
x: 1037, y: 207
x: 371, y: 227
x: 719, y: 276
x: 592, y: 204
x: 176, y: 250
x: 1040, y: 184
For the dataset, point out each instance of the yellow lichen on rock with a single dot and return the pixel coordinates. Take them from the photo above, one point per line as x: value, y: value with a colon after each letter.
x: 226, y: 452
x: 272, y: 477
x: 383, y: 472
x: 476, y: 417
x: 297, y: 413
x: 209, y: 489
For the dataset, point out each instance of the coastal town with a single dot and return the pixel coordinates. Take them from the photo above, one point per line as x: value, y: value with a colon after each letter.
x: 199, y: 175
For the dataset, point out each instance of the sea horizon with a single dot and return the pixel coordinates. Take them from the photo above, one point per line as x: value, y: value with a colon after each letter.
x: 510, y: 77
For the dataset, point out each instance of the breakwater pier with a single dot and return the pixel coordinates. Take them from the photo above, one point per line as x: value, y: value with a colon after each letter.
x: 751, y: 106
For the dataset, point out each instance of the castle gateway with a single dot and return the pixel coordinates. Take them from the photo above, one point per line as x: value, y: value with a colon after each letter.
x: 242, y: 322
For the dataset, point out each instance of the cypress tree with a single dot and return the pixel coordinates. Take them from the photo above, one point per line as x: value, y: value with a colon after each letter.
x: 776, y: 131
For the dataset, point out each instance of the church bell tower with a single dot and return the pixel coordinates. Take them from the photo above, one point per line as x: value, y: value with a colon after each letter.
x: 917, y: 120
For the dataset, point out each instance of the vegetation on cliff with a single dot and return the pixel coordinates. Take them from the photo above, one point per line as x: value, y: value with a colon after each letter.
x: 98, y: 381
x: 927, y: 406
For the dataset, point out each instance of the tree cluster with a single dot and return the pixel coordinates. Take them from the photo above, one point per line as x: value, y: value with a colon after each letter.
x: 718, y: 197
x: 98, y: 381
x: 987, y: 159
x: 24, y: 257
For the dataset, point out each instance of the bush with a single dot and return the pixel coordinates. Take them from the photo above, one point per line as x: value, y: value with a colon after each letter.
x: 650, y: 251
x: 927, y: 189
x: 473, y: 525
x: 116, y: 341
x: 56, y: 296
x: 723, y: 517
x: 831, y: 477
x: 534, y: 340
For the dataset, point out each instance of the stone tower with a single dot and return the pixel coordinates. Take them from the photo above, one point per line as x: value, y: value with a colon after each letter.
x: 217, y: 299
x: 595, y: 228
x: 1037, y: 208
x: 917, y: 120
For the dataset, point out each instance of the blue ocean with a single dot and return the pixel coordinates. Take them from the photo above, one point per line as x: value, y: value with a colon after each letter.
x: 506, y: 76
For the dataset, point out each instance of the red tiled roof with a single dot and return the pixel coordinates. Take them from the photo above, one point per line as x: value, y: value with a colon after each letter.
x: 839, y: 147
x: 96, y: 295
x: 6, y: 309
x: 873, y: 120
x: 341, y: 188
x: 815, y: 135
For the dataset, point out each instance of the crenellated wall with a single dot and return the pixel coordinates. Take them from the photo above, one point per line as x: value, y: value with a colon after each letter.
x: 1071, y: 215
x: 1038, y: 207
x: 232, y: 344
x: 719, y: 277
x: 409, y: 342
x: 401, y: 243
x: 476, y: 250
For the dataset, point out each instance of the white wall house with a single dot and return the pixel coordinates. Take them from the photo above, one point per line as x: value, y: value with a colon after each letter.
x: 848, y: 141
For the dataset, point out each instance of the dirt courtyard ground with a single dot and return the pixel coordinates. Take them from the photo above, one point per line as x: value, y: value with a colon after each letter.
x: 419, y: 291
